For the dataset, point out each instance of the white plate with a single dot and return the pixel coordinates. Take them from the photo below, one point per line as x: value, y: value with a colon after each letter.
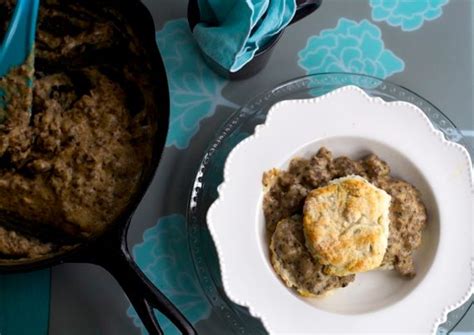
x: 351, y: 123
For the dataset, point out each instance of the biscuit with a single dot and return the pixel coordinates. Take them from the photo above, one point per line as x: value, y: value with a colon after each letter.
x: 346, y: 225
x: 295, y: 265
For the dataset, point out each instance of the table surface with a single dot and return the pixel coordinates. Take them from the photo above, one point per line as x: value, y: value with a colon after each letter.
x: 427, y: 51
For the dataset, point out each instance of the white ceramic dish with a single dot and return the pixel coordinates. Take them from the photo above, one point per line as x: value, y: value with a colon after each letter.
x: 351, y: 123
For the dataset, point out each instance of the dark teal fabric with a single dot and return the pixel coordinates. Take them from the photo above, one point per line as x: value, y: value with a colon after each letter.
x: 24, y: 303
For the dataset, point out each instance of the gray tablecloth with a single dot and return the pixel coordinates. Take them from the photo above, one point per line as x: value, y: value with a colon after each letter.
x: 428, y: 50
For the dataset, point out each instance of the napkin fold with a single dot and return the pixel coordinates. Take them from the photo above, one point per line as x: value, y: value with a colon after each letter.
x: 230, y: 32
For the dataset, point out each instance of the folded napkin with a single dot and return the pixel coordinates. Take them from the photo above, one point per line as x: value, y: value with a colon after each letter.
x: 230, y: 32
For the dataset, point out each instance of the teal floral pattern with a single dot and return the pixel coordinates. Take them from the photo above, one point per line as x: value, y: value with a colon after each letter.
x: 195, y: 90
x: 407, y: 14
x: 351, y: 46
x: 165, y: 258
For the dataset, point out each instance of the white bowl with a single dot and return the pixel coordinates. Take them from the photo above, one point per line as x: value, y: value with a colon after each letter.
x: 349, y: 122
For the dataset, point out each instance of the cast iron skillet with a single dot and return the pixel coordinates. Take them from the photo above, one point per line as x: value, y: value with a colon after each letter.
x: 109, y: 250
x: 258, y: 62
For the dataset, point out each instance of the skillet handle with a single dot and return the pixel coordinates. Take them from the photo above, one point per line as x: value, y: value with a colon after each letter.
x: 304, y: 8
x: 144, y: 296
x: 111, y: 253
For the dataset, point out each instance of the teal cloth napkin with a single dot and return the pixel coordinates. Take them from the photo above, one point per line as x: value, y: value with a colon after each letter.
x: 24, y: 303
x: 230, y: 32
